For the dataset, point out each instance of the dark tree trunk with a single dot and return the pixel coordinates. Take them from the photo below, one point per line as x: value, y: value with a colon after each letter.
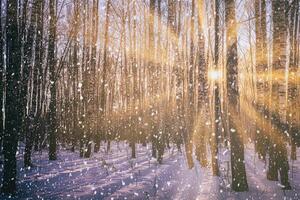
x: 217, y: 111
x: 1, y: 79
x: 30, y: 123
x: 293, y: 150
x: 202, y: 99
x: 75, y: 75
x: 133, y: 150
x: 135, y: 88
x: 52, y: 68
x: 88, y: 146
x: 261, y: 70
x: 93, y: 100
x: 39, y: 56
x: 82, y: 89
x: 105, y: 69
x: 108, y: 146
x: 239, y: 178
x: 151, y: 70
x: 190, y: 101
x: 12, y: 107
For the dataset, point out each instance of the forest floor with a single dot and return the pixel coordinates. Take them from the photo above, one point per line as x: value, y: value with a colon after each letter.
x: 114, y: 175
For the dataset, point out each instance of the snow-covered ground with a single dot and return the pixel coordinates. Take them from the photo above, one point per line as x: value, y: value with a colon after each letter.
x: 114, y: 175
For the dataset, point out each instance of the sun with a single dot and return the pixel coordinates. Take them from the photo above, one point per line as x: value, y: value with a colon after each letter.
x: 214, y: 75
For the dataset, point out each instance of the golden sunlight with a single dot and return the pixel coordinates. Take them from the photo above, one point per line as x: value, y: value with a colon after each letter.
x: 214, y: 75
x: 149, y: 99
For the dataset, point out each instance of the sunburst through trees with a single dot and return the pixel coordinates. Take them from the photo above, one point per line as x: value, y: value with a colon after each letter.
x: 196, y: 77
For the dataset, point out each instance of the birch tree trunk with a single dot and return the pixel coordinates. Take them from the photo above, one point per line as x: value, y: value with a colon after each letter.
x: 293, y: 90
x: 278, y: 160
x: 239, y: 179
